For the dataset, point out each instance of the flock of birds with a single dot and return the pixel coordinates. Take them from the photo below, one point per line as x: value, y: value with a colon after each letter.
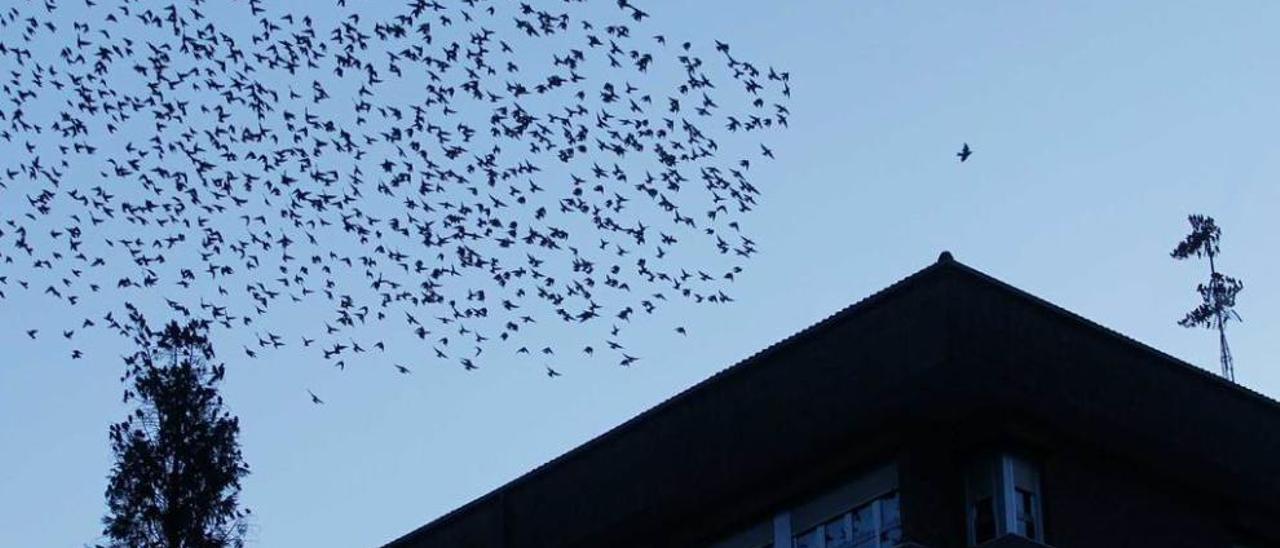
x: 491, y: 178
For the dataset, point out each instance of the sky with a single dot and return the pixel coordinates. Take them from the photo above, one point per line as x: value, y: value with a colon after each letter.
x: 1096, y: 128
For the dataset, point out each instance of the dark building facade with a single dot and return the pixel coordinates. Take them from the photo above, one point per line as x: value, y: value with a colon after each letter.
x: 948, y: 410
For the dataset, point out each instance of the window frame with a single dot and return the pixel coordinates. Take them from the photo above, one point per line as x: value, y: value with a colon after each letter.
x: 874, y: 504
x: 872, y: 487
x: 1003, y: 471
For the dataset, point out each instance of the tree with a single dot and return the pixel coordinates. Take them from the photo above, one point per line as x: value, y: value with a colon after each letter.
x: 1218, y: 296
x: 176, y: 478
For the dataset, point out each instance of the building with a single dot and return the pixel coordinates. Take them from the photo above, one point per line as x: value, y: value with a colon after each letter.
x: 948, y: 410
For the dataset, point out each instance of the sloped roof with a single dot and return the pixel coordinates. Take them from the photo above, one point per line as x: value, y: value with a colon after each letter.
x: 945, y: 313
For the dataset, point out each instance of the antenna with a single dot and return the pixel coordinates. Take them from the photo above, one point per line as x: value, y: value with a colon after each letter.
x: 1228, y: 367
x: 1218, y: 296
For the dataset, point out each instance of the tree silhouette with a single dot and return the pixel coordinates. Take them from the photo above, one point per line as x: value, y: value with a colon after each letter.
x: 1218, y: 296
x: 176, y: 477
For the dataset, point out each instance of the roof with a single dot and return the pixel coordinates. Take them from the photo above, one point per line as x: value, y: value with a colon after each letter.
x: 935, y: 331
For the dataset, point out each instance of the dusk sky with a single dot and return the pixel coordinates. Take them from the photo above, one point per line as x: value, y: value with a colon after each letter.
x: 1096, y: 128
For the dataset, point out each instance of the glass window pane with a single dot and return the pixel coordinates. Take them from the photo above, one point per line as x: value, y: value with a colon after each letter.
x: 890, y: 521
x: 890, y: 512
x: 864, y: 526
x: 838, y: 533
x: 808, y: 539
x: 891, y: 536
x: 1026, y: 513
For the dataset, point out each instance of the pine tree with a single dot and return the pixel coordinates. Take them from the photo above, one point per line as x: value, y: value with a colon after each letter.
x: 1218, y: 295
x: 176, y: 478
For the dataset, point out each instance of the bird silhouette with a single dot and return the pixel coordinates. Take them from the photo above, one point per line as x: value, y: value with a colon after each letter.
x: 964, y: 153
x: 242, y: 173
x: 315, y: 399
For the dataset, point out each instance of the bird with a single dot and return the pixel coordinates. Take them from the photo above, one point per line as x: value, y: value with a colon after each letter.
x: 964, y: 153
x: 552, y: 373
x: 251, y: 168
x: 315, y: 399
x: 402, y: 369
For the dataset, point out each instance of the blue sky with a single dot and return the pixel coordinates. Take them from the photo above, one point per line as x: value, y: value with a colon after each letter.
x: 1097, y: 127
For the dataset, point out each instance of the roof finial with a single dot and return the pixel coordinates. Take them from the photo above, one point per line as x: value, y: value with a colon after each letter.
x: 945, y: 257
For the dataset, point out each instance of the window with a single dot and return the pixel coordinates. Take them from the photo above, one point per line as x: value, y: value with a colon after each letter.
x: 1003, y: 497
x: 1025, y: 520
x: 863, y: 512
x: 890, y: 521
x: 876, y: 524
